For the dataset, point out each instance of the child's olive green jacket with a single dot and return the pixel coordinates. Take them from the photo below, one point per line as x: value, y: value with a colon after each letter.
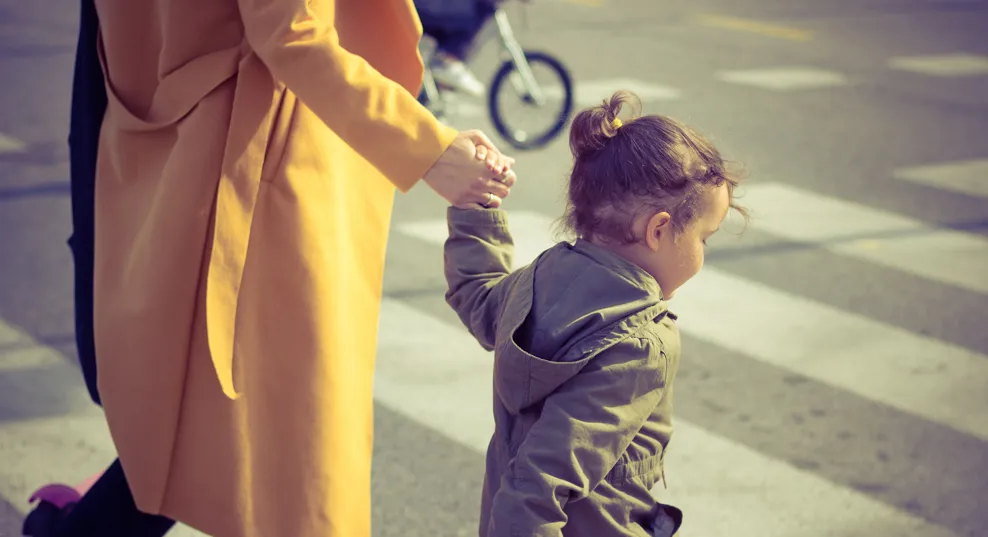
x: 585, y: 353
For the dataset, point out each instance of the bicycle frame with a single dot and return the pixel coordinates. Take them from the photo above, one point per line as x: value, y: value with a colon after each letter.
x: 513, y: 50
x: 517, y: 55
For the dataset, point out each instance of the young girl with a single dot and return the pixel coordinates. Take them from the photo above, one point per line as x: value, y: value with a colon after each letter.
x: 585, y: 349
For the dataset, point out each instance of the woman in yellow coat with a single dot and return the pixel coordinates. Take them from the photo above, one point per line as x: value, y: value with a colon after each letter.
x: 247, y: 165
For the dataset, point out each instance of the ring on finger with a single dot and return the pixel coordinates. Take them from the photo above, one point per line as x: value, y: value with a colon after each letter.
x: 490, y: 199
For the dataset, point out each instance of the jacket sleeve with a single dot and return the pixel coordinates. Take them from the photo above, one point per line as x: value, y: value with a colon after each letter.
x: 477, y: 262
x: 373, y: 114
x: 584, y: 429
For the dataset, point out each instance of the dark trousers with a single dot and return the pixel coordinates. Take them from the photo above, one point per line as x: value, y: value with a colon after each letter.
x: 108, y: 508
x: 455, y: 35
x: 86, y: 118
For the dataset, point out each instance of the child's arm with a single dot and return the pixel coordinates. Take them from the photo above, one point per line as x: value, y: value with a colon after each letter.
x: 477, y: 261
x: 585, y: 427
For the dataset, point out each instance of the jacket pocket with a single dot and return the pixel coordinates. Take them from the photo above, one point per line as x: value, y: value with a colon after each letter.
x: 279, y: 137
x: 667, y: 521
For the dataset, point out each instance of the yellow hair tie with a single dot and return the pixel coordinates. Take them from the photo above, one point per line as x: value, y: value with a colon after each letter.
x: 616, y: 123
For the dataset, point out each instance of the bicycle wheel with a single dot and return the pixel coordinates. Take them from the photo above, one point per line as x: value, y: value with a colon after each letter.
x: 560, y: 89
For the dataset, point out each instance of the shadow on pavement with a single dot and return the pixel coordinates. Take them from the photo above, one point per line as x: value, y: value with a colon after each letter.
x: 10, y: 519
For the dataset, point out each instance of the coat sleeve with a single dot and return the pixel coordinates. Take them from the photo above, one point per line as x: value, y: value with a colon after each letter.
x: 477, y: 262
x: 584, y: 429
x: 373, y: 114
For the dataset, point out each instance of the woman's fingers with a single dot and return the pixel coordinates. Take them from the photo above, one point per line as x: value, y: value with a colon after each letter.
x: 479, y: 138
x: 507, y: 178
x: 492, y: 201
x: 500, y: 185
x: 496, y: 161
x: 491, y: 186
x: 490, y: 193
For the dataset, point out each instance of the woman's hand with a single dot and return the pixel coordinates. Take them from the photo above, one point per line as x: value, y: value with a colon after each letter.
x: 471, y: 172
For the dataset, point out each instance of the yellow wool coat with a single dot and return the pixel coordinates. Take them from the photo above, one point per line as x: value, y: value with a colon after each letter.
x: 247, y: 167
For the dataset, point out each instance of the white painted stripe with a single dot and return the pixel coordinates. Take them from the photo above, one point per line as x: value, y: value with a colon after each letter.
x: 67, y: 448
x: 532, y: 234
x: 9, y: 144
x: 964, y: 176
x: 22, y: 357
x: 784, y: 78
x: 18, y: 351
x: 459, y: 106
x: 877, y: 236
x: 916, y: 374
x: 9, y: 335
x: 437, y: 375
x: 959, y: 64
x: 883, y: 363
x: 593, y: 92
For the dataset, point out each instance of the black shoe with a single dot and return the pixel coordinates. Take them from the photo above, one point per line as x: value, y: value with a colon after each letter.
x: 43, y: 519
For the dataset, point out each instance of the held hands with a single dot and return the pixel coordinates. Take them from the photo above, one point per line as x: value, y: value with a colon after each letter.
x: 506, y: 178
x: 472, y: 173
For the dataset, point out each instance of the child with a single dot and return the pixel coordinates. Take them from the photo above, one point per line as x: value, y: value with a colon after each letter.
x: 585, y: 349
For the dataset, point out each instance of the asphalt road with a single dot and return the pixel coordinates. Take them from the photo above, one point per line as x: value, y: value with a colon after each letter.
x: 835, y: 375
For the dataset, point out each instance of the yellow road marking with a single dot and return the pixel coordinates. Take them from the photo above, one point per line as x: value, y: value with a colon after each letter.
x: 755, y: 27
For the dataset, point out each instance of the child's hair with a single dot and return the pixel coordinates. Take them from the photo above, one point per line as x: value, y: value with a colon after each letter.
x: 647, y: 163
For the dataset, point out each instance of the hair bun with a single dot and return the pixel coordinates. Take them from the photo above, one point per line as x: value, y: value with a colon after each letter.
x: 593, y: 127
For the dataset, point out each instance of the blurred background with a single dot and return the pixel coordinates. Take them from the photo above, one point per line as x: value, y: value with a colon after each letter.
x: 834, y: 380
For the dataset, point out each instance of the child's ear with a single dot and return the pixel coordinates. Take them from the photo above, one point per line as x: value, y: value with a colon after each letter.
x: 656, y: 226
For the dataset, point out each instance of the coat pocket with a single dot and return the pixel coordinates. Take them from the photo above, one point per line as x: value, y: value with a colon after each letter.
x: 667, y: 521
x: 278, y: 139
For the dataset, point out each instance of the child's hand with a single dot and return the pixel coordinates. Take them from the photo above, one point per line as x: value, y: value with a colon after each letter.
x: 500, y: 166
x: 496, y: 162
x: 493, y: 202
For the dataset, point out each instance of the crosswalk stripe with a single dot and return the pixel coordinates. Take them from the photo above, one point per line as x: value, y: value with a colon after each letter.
x: 19, y: 351
x: 965, y: 176
x: 593, y: 92
x: 883, y: 363
x: 9, y: 144
x: 785, y: 78
x: 437, y: 375
x: 532, y: 233
x: 66, y: 448
x: 956, y: 64
x: 846, y: 228
x: 910, y: 372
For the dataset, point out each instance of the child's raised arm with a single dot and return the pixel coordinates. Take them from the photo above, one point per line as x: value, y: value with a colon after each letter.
x: 585, y: 427
x: 477, y: 261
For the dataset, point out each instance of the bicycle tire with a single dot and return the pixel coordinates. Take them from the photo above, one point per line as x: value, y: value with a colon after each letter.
x: 561, y: 119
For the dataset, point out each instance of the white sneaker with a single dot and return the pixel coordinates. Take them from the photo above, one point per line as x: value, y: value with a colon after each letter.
x: 455, y: 74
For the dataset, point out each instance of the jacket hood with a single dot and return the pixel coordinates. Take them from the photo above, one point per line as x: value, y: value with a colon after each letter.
x: 572, y: 303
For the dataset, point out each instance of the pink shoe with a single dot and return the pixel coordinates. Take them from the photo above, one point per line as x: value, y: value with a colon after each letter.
x: 55, y: 501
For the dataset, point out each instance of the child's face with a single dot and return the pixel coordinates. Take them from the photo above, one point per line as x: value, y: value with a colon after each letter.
x: 672, y: 259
